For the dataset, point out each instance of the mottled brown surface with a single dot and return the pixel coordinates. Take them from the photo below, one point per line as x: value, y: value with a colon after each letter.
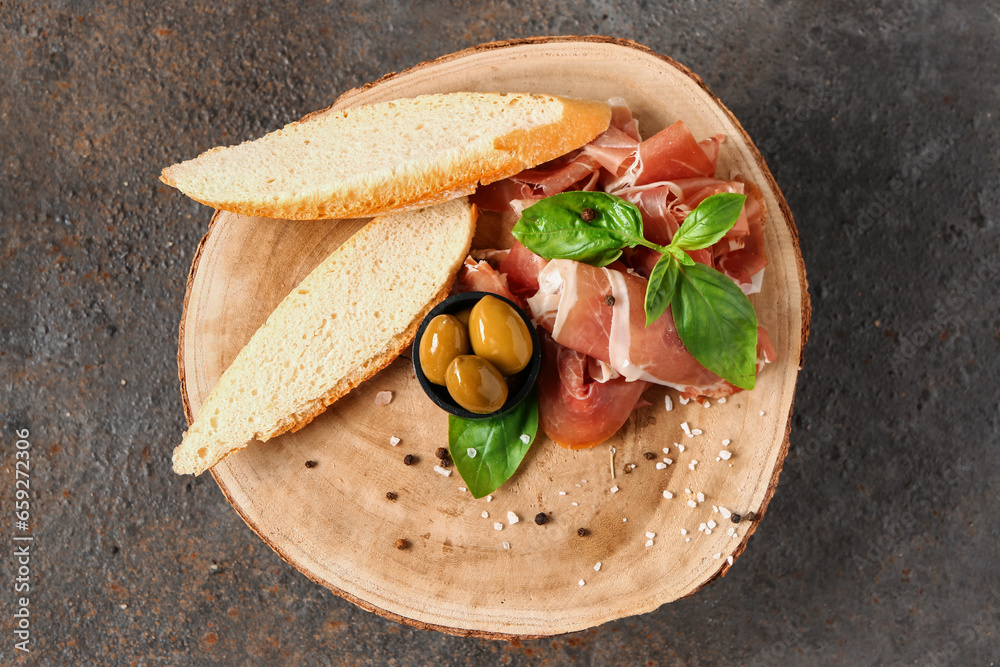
x: 880, y: 125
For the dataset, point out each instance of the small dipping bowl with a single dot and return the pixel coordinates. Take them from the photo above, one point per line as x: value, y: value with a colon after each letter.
x: 519, y: 384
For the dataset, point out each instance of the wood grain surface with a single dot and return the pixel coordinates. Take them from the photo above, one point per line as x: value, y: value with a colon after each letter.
x: 334, y: 522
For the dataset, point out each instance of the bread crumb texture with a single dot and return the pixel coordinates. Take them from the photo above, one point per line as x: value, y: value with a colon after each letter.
x: 391, y: 156
x: 350, y: 317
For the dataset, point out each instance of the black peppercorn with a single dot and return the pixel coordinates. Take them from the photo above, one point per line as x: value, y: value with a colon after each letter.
x: 736, y: 518
x: 751, y: 516
x: 441, y: 453
x: 541, y: 518
x: 610, y: 300
x: 649, y: 456
x: 409, y: 459
x: 402, y: 544
x: 390, y: 495
x: 310, y: 464
x: 588, y: 214
x: 629, y: 467
x: 582, y: 532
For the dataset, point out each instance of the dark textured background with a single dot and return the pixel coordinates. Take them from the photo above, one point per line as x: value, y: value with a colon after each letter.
x: 880, y: 123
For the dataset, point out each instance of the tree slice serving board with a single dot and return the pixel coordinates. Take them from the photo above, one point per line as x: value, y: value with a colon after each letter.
x: 334, y: 522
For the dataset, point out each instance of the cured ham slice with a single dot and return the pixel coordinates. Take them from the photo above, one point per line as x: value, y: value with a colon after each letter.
x: 480, y: 276
x: 573, y: 409
x: 600, y: 355
x: 572, y: 303
x: 674, y: 153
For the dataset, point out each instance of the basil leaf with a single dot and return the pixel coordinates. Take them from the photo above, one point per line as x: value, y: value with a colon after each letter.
x: 709, y: 221
x: 681, y: 256
x: 498, y: 445
x: 716, y: 323
x: 554, y: 227
x: 661, y: 286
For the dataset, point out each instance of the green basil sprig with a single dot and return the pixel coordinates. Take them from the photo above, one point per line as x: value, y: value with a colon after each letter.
x: 714, y: 319
x: 498, y: 444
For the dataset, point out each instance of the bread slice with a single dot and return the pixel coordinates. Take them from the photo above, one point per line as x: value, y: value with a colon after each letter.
x: 392, y: 156
x: 349, y: 318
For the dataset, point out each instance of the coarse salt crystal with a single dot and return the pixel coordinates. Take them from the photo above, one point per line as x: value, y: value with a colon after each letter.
x: 668, y: 495
x: 692, y: 503
x: 725, y: 454
x: 701, y: 497
x: 393, y: 441
x: 706, y: 404
x: 761, y: 413
x: 506, y: 545
x: 624, y: 520
x: 562, y: 493
x: 687, y: 491
x: 575, y: 504
x: 489, y: 498
x: 711, y: 523
x: 441, y: 471
x: 525, y: 438
x: 666, y: 450
x: 729, y: 560
x: 692, y: 464
x: 696, y: 431
x: 597, y: 568
x: 701, y: 527
x: 686, y: 429
x: 581, y: 582
x: 715, y: 509
x: 497, y: 526
x: 471, y: 451
x: 385, y: 398
x: 730, y: 531
x: 725, y: 443
x: 650, y: 535
x: 669, y: 403
x: 685, y: 401
x: 687, y: 539
x: 649, y: 543
x: 661, y: 465
x: 668, y: 461
x: 462, y: 488
x: 684, y: 531
x: 722, y: 400
x: 512, y: 518
x: 708, y: 531
x: 486, y: 515
x: 717, y: 556
x: 680, y: 448
x: 736, y: 536
x: 614, y: 489
x: 725, y: 513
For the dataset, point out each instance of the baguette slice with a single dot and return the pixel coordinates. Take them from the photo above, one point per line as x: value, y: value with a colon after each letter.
x: 349, y: 318
x: 392, y: 156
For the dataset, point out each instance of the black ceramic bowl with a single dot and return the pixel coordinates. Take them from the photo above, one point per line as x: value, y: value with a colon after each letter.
x: 519, y: 385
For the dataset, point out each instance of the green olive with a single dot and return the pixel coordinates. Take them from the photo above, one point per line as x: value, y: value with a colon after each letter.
x: 463, y: 316
x: 499, y: 335
x: 476, y: 384
x: 444, y: 339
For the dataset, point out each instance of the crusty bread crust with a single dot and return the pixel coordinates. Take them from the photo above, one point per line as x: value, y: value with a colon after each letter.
x: 348, y: 319
x: 416, y: 180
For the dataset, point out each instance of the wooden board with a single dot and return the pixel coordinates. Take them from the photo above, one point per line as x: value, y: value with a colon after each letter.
x: 333, y: 521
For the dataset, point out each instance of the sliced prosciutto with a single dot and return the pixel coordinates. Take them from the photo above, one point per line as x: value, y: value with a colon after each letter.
x: 573, y: 304
x: 575, y: 410
x: 601, y: 356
